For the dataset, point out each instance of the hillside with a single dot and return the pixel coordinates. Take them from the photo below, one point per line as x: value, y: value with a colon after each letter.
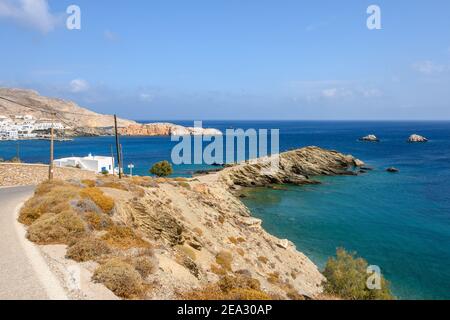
x: 72, y: 114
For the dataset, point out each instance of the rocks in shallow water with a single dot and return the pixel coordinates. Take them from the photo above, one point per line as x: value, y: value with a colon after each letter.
x: 358, y: 163
x: 417, y: 138
x: 392, y: 170
x: 370, y: 138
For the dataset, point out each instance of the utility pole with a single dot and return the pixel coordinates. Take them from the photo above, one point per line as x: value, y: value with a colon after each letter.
x: 52, y: 133
x: 121, y: 155
x: 112, y: 160
x: 119, y: 160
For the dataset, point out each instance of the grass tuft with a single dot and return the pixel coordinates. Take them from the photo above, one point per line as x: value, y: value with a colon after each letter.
x: 121, y: 278
x: 224, y: 259
x: 123, y: 237
x: 54, y: 228
x: 86, y: 249
x: 104, y: 202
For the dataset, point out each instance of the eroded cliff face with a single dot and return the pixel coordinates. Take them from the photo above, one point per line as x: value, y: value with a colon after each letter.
x: 193, y: 221
x: 294, y: 167
x: 165, y: 129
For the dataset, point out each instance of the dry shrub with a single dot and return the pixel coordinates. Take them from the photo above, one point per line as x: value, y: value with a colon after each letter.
x: 224, y: 259
x: 230, y: 288
x: 115, y: 185
x: 181, y: 179
x: 221, y: 219
x: 123, y: 237
x: 47, y: 186
x: 142, y: 181
x: 88, y: 248
x: 104, y: 202
x: 145, y: 265
x: 218, y: 270
x: 263, y: 260
x: 214, y: 293
x: 48, y: 198
x: 98, y: 221
x: 54, y: 228
x: 294, y: 295
x: 120, y: 277
x: 188, y: 252
x: 274, y: 278
x: 240, y: 251
x: 233, y: 240
x: 228, y: 283
x: 89, y: 183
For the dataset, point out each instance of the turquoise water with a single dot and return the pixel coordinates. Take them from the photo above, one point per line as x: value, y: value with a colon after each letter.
x: 400, y: 222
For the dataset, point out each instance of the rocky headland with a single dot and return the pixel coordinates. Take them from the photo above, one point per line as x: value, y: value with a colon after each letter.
x: 178, y: 238
x: 295, y: 167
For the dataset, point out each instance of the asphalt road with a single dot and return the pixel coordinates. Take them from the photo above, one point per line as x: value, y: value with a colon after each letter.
x: 19, y: 278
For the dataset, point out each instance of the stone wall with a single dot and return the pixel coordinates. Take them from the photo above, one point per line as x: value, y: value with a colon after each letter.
x: 13, y: 174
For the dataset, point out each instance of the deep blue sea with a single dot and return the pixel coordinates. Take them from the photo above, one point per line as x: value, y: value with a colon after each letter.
x: 400, y: 222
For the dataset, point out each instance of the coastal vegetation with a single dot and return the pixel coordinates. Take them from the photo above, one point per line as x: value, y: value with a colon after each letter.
x: 162, y: 169
x: 347, y: 278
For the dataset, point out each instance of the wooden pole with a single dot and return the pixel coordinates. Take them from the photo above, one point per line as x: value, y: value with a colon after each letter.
x: 112, y: 160
x: 119, y: 160
x: 52, y: 147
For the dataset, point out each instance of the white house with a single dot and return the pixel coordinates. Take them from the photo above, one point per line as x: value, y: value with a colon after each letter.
x: 97, y: 164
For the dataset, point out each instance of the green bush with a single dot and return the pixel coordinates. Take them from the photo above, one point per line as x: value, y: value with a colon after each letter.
x: 347, y: 277
x: 162, y: 169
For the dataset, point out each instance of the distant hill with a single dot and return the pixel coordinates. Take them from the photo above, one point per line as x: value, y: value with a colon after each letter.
x: 73, y: 115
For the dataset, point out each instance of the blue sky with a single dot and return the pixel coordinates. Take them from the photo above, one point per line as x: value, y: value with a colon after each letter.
x: 233, y: 59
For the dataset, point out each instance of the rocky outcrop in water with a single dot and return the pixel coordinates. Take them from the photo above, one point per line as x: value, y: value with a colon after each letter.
x: 295, y: 167
x: 417, y: 138
x: 370, y: 138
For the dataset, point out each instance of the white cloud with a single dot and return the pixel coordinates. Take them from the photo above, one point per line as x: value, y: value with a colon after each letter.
x: 146, y: 97
x: 428, y: 67
x: 373, y: 92
x: 336, y: 93
x: 79, y: 85
x: 33, y: 13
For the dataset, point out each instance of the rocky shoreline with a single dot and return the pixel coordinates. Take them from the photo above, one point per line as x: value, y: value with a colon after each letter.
x: 200, y: 232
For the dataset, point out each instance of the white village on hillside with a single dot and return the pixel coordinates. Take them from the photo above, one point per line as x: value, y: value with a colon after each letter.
x: 23, y: 127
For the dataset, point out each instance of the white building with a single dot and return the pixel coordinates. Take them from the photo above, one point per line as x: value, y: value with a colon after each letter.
x: 97, y: 164
x: 39, y: 126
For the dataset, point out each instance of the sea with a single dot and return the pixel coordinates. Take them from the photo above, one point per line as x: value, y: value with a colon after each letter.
x: 397, y: 221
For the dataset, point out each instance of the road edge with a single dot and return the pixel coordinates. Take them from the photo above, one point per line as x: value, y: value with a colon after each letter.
x: 46, y: 277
